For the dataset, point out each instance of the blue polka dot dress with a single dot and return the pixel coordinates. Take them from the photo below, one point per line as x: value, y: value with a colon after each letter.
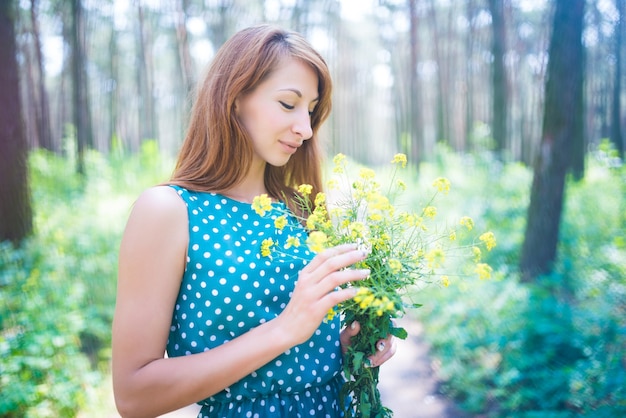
x: 228, y: 288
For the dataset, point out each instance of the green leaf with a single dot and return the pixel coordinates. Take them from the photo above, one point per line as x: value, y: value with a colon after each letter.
x: 399, y: 332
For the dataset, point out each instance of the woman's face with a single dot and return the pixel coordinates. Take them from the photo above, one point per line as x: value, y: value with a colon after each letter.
x: 277, y: 113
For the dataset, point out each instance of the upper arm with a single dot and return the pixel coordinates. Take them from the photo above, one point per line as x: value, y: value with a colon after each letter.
x: 151, y: 263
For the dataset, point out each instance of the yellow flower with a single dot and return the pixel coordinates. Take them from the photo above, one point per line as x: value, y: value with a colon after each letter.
x: 363, y: 291
x: 381, y: 241
x: 377, y: 201
x: 280, y: 222
x: 477, y: 253
x: 399, y: 159
x: 330, y: 314
x: 445, y: 281
x: 395, y: 266
x: 310, y: 222
x: 317, y: 241
x: 367, y: 301
x: 467, y: 222
x: 389, y: 305
x: 332, y: 184
x: 401, y: 185
x: 266, y: 247
x: 337, y: 213
x: 430, y: 211
x: 305, y: 189
x: 320, y: 199
x: 376, y: 217
x: 452, y: 235
x: 367, y: 173
x: 407, y: 219
x: 435, y: 257
x: 484, y: 270
x: 292, y: 242
x: 357, y: 230
x: 262, y: 204
x: 442, y: 184
x: 339, y: 161
x: 489, y: 239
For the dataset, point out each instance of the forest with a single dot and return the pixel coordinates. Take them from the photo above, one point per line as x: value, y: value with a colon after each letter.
x: 519, y: 103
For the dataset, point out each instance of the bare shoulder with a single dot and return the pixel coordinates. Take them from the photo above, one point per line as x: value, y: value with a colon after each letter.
x: 160, y: 199
x: 158, y: 212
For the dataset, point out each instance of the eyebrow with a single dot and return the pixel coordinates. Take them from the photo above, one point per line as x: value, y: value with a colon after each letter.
x: 299, y: 93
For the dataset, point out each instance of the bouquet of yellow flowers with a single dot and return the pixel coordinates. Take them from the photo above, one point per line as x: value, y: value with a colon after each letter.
x: 404, y: 247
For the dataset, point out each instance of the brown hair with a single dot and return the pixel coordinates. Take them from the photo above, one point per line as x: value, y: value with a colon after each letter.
x: 217, y: 150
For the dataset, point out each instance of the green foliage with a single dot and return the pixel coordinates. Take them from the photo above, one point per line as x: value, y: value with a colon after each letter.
x: 553, y: 348
x: 57, y: 291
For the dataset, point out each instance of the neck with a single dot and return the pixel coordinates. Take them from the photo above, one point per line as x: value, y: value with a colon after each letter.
x: 247, y: 189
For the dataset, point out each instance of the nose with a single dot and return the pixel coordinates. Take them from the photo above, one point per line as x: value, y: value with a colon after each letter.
x: 302, y: 125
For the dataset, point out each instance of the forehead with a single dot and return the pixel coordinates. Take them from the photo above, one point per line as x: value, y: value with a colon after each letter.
x: 293, y: 74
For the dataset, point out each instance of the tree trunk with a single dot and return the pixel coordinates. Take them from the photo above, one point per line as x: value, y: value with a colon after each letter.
x: 415, y: 99
x: 562, y: 119
x: 80, y: 96
x: 498, y: 76
x: 469, y: 82
x: 15, y: 210
x: 182, y: 42
x: 145, y: 79
x: 616, y: 130
x: 441, y: 126
x: 42, y: 111
x: 113, y: 90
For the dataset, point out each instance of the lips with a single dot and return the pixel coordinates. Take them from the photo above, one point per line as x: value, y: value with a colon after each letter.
x: 290, y: 146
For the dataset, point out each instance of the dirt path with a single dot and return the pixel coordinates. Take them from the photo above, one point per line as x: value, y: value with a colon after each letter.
x: 408, y: 384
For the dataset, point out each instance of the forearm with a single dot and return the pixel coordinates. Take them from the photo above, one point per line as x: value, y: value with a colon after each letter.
x: 166, y: 384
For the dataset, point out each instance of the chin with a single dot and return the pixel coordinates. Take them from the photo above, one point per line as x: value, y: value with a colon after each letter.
x: 278, y: 162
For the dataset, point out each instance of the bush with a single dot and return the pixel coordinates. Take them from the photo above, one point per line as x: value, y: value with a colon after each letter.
x: 57, y: 291
x: 553, y: 348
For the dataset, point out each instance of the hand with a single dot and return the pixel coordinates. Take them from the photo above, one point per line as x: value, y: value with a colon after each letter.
x: 385, y: 349
x: 318, y: 289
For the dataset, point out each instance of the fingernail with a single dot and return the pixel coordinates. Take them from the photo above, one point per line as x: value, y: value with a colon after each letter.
x: 380, y: 346
x: 365, y: 272
x: 353, y: 325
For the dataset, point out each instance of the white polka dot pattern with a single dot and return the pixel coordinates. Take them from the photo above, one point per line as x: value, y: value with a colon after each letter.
x: 228, y: 288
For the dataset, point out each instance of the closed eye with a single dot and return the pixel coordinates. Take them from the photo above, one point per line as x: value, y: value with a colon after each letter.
x: 286, y: 106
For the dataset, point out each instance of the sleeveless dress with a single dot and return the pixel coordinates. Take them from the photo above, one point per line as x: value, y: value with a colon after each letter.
x: 228, y: 288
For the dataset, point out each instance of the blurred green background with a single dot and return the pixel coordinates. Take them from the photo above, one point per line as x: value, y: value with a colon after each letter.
x: 463, y: 88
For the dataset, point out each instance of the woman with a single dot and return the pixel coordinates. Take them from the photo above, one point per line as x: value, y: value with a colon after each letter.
x: 242, y: 339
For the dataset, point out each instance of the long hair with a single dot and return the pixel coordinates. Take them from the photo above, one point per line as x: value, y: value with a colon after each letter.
x: 217, y: 151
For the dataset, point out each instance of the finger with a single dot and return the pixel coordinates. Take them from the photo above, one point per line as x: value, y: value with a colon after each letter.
x: 337, y: 279
x: 347, y: 333
x: 336, y: 297
x: 385, y: 349
x: 329, y: 254
x: 334, y: 268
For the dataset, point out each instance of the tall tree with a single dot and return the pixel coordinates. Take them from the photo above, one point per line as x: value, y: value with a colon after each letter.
x: 80, y: 96
x: 182, y: 42
x: 15, y: 209
x: 441, y: 131
x: 145, y: 76
x: 415, y: 98
x: 562, y: 119
x: 616, y: 130
x: 42, y: 109
x: 499, y: 104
